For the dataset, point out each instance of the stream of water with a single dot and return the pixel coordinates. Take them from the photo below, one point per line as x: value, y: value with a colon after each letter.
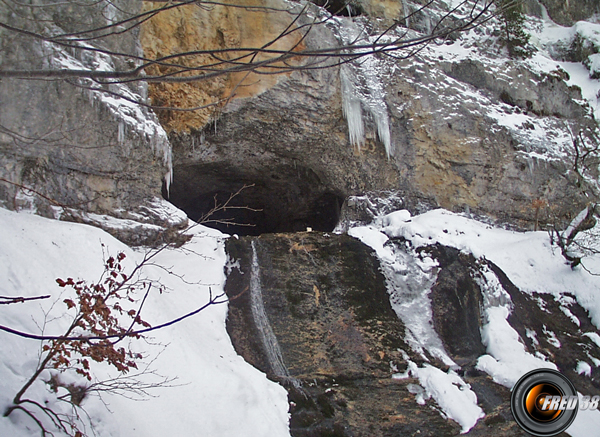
x: 267, y: 337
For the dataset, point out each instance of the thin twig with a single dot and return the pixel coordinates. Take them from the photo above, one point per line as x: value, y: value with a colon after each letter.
x: 7, y: 300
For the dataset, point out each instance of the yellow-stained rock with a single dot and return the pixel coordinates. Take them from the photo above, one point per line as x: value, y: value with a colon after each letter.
x: 197, y: 28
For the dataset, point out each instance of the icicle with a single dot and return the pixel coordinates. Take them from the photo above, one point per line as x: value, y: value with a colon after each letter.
x: 111, y: 13
x: 267, y: 337
x: 121, y: 132
x: 352, y: 102
x: 352, y: 110
x: 168, y: 161
x: 428, y: 24
x: 168, y: 180
x: 531, y: 165
x: 362, y: 89
x: 383, y: 129
x: 405, y: 11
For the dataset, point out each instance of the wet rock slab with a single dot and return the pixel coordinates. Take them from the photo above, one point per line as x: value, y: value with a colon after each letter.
x: 336, y: 342
x: 338, y: 335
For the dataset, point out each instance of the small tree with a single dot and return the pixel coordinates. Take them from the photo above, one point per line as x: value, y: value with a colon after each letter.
x: 580, y: 239
x: 99, y: 311
x: 106, y: 321
x: 513, y: 37
x: 574, y: 242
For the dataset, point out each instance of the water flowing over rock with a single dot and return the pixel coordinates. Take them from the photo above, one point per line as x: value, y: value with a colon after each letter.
x: 261, y: 321
x: 339, y: 338
x: 366, y: 339
x: 351, y: 364
x: 567, y: 12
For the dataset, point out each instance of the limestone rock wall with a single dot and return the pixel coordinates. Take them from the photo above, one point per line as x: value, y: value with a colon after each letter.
x: 195, y: 27
x: 88, y: 151
x: 452, y: 146
x: 435, y: 124
x: 569, y: 12
x: 338, y: 336
x: 455, y: 151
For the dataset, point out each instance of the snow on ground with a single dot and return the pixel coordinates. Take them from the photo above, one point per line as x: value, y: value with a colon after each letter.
x: 530, y: 262
x: 216, y: 392
x: 549, y: 37
x: 452, y: 394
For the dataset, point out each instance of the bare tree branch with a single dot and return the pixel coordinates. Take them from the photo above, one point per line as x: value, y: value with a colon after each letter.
x: 273, y: 64
x: 7, y: 300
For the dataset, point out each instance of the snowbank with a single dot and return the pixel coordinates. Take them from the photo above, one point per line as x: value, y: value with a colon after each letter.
x: 216, y: 392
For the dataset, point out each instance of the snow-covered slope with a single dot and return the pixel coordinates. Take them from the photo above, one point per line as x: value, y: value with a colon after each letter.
x: 215, y: 393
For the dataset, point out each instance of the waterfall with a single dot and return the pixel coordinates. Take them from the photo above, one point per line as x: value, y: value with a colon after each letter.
x: 409, y: 280
x: 120, y: 132
x: 267, y: 337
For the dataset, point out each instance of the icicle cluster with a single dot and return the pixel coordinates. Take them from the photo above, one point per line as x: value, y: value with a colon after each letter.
x: 406, y: 12
x: 362, y: 88
x: 352, y: 109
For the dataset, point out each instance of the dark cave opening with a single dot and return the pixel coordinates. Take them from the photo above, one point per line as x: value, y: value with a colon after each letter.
x: 342, y: 8
x: 288, y: 198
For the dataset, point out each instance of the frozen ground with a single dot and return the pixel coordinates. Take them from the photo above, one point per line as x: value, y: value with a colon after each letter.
x: 216, y: 393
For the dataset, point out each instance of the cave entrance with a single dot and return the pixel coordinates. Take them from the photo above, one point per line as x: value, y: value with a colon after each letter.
x: 286, y: 198
x: 343, y: 8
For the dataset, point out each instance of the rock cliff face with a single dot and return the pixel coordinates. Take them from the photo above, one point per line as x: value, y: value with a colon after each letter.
x: 569, y: 12
x: 82, y: 150
x: 312, y: 311
x: 471, y: 131
x: 456, y: 125
x: 217, y: 27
